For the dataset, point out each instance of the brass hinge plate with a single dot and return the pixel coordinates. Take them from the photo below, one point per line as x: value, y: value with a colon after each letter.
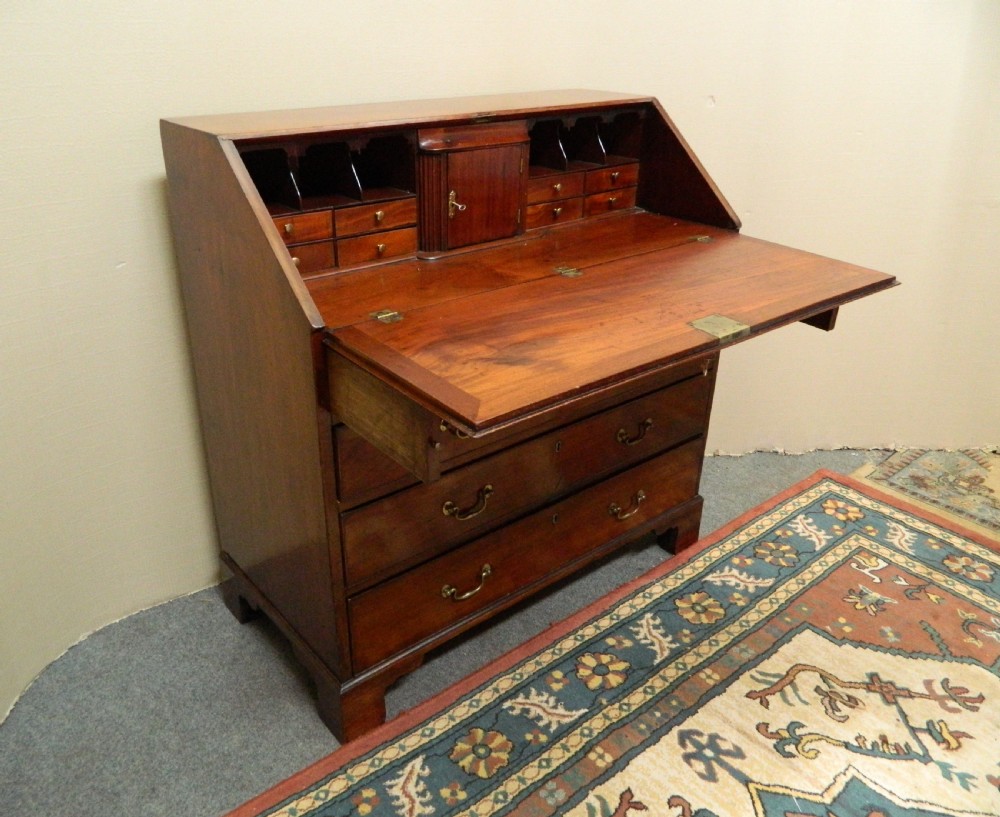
x: 569, y: 272
x: 719, y: 326
x: 387, y: 315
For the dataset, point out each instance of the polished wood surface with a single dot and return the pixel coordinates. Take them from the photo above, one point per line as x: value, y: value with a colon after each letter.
x: 444, y: 356
x: 553, y: 337
x: 419, y: 113
x: 410, y: 285
x: 253, y: 350
x: 516, y: 480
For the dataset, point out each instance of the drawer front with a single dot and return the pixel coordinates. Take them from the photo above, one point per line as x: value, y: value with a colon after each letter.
x: 553, y: 212
x: 364, y: 473
x: 611, y: 178
x: 377, y: 246
x: 555, y: 187
x: 514, y: 560
x: 386, y: 536
x: 610, y: 201
x: 314, y: 257
x: 371, y: 217
x: 305, y: 227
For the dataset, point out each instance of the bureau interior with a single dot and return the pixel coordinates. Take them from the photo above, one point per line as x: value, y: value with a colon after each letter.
x: 584, y: 143
x: 316, y: 175
x: 324, y: 173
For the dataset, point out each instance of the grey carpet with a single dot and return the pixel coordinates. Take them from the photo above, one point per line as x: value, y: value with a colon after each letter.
x: 181, y: 710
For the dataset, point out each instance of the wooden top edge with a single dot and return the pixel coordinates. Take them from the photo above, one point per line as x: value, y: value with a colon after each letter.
x: 388, y: 114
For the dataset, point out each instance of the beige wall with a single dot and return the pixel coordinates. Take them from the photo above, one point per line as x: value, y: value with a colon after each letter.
x: 862, y: 129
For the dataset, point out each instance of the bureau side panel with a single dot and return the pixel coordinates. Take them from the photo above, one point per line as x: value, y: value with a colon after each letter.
x: 673, y: 182
x: 253, y: 347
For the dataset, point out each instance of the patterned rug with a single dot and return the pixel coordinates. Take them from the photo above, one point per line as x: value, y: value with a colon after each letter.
x: 832, y: 653
x: 965, y: 483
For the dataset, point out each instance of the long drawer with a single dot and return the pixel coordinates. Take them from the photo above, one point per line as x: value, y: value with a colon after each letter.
x: 510, y: 562
x: 386, y: 536
x: 364, y: 473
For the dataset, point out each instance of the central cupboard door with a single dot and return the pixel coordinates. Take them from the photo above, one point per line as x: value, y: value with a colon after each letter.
x: 484, y: 194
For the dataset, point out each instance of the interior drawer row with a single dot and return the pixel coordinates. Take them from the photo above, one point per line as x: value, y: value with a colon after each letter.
x: 363, y: 233
x: 554, y: 197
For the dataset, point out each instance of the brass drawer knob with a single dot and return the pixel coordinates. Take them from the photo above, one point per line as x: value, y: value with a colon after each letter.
x: 619, y: 512
x: 557, y: 187
x: 380, y: 249
x: 611, y: 202
x: 556, y: 212
x: 614, y: 176
x: 452, y: 593
x: 623, y: 437
x: 379, y: 215
x: 289, y: 228
x: 449, y: 508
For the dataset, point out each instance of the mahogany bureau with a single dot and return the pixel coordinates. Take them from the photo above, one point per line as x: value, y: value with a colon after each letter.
x: 448, y: 352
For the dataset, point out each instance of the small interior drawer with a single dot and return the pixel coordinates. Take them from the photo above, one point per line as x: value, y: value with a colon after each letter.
x: 554, y: 187
x: 516, y: 560
x: 305, y: 227
x: 310, y: 258
x: 609, y: 201
x: 377, y: 246
x: 553, y: 212
x: 368, y: 218
x: 613, y: 177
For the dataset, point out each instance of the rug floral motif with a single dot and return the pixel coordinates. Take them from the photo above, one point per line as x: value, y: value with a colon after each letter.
x: 831, y: 655
x: 964, y: 482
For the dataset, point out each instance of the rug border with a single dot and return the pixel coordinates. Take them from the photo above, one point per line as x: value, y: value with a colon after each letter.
x: 405, y: 721
x: 863, y: 474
